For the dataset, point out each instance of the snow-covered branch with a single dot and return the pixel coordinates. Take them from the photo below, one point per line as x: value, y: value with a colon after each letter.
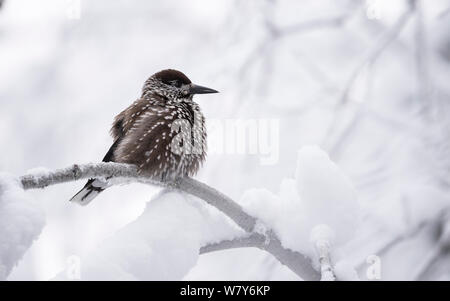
x: 122, y: 173
x: 254, y: 240
x: 322, y: 235
x: 338, y: 138
x: 297, y: 262
x: 326, y: 270
x: 78, y: 172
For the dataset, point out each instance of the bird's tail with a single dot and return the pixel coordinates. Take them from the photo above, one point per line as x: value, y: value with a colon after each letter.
x: 92, y: 188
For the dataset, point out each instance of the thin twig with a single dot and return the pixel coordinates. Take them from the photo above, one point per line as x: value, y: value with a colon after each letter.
x: 313, y: 24
x: 326, y: 270
x: 377, y: 49
x: 371, y: 56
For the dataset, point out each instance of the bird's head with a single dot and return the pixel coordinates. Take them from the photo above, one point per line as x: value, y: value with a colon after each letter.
x: 173, y: 85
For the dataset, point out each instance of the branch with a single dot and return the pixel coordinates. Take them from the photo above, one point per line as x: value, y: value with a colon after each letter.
x: 435, y: 221
x: 123, y: 173
x: 369, y: 58
x: 335, y: 21
x: 254, y: 240
x: 78, y: 172
x: 218, y: 200
x: 376, y: 50
x: 326, y: 270
x: 322, y: 236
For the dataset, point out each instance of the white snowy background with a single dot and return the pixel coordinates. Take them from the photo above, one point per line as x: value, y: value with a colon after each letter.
x: 360, y: 91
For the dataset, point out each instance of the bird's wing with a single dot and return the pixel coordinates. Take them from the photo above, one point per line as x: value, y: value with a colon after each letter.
x: 109, y: 157
x: 117, y: 129
x: 94, y: 186
x: 148, y: 141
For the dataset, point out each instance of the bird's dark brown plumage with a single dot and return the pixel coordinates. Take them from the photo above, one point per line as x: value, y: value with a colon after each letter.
x: 163, y: 132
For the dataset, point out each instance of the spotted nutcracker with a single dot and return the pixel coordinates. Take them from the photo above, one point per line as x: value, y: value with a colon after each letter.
x: 162, y: 133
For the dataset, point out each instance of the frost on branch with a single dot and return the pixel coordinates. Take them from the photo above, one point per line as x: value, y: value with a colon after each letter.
x: 322, y: 238
x: 21, y: 222
x: 319, y: 194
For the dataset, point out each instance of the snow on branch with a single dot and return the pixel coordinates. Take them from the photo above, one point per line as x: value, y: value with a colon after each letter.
x: 376, y: 50
x: 322, y: 235
x: 123, y: 173
x: 78, y: 172
x: 255, y: 240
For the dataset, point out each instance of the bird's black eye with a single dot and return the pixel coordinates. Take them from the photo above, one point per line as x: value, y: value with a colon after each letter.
x: 175, y: 83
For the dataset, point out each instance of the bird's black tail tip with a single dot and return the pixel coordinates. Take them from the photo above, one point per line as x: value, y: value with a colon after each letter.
x: 92, y: 188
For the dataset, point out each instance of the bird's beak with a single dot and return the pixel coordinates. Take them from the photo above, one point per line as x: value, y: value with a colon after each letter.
x: 194, y: 89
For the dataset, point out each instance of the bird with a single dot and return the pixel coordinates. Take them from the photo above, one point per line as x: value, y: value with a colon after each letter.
x: 162, y: 133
